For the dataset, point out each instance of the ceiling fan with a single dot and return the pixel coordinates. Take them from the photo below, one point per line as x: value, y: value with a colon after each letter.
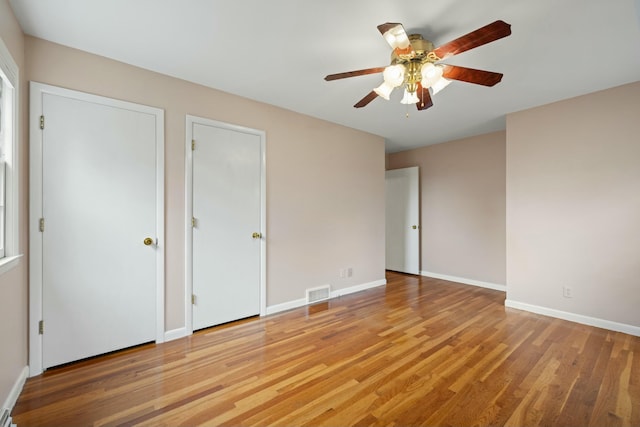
x: 414, y: 64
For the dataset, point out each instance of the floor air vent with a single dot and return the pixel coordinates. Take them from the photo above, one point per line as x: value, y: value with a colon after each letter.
x: 321, y: 293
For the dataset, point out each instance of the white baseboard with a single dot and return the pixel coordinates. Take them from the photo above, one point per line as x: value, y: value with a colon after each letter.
x: 11, y: 400
x: 289, y: 305
x: 175, y: 334
x: 573, y: 317
x: 358, y: 288
x: 488, y: 285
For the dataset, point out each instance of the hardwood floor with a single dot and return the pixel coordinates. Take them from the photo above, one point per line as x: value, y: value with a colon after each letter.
x: 419, y: 351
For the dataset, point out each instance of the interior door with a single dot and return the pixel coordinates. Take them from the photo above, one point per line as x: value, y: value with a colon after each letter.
x: 99, y: 209
x: 403, y: 220
x: 226, y: 254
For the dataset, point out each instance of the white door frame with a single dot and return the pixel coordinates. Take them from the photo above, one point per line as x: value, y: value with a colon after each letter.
x: 190, y: 121
x: 37, y: 91
x: 411, y: 176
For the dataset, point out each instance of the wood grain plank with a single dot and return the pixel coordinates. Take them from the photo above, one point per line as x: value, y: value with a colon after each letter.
x: 418, y: 351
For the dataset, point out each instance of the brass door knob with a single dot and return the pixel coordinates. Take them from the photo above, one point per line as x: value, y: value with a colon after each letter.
x: 257, y: 235
x: 148, y: 241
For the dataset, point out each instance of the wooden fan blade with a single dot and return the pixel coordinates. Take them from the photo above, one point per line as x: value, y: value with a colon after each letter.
x: 354, y: 73
x: 425, y: 98
x: 396, y: 36
x: 388, y: 26
x: 492, y: 32
x: 471, y: 75
x: 367, y: 99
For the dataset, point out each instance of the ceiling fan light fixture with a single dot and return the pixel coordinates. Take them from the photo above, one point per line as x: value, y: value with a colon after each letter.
x: 384, y: 90
x: 409, y: 98
x: 414, y: 64
x: 397, y: 37
x: 440, y: 84
x: 394, y: 75
x: 430, y: 74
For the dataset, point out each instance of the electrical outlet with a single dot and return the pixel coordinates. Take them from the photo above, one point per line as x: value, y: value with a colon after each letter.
x: 343, y: 273
x: 349, y: 272
x: 567, y: 292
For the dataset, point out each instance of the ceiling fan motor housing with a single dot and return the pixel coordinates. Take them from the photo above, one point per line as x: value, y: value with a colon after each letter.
x: 421, y: 49
x: 413, y: 60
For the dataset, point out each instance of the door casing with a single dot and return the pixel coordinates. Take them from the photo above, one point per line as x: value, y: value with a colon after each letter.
x: 402, y: 239
x: 190, y: 121
x: 37, y: 91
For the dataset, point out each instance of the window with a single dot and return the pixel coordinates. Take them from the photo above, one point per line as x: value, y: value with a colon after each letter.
x: 3, y: 222
x: 8, y: 160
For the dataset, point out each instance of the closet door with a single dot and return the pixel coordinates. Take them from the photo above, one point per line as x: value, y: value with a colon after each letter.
x: 226, y: 256
x: 99, y: 226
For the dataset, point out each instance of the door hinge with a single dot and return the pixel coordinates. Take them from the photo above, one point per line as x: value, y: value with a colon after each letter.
x: 41, y: 122
x: 41, y: 327
x: 193, y: 299
x: 194, y: 221
x: 41, y: 225
x: 193, y: 144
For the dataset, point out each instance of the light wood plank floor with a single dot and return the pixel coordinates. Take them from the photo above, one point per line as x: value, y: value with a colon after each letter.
x: 419, y: 351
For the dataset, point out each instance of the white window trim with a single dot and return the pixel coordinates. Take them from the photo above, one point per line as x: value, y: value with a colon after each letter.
x: 12, y: 215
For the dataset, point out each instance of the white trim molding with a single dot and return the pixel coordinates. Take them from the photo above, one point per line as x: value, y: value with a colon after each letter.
x: 12, y: 398
x: 358, y: 288
x: 574, y: 317
x: 175, y: 334
x: 488, y: 285
x: 290, y: 305
x: 11, y: 114
x: 7, y: 263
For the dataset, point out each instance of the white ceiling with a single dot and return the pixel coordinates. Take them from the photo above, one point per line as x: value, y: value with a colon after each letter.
x: 279, y: 51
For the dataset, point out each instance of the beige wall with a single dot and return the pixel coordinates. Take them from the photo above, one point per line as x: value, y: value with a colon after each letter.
x: 462, y: 186
x: 13, y: 284
x: 573, y: 205
x: 325, y: 182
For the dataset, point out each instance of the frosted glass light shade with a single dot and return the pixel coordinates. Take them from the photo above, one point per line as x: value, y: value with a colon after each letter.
x: 396, y: 37
x: 430, y: 74
x: 440, y: 84
x: 394, y: 75
x: 409, y: 98
x: 384, y: 90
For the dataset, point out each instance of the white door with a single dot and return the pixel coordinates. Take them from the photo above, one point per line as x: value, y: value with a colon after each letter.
x: 99, y: 205
x: 403, y: 220
x: 226, y: 254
